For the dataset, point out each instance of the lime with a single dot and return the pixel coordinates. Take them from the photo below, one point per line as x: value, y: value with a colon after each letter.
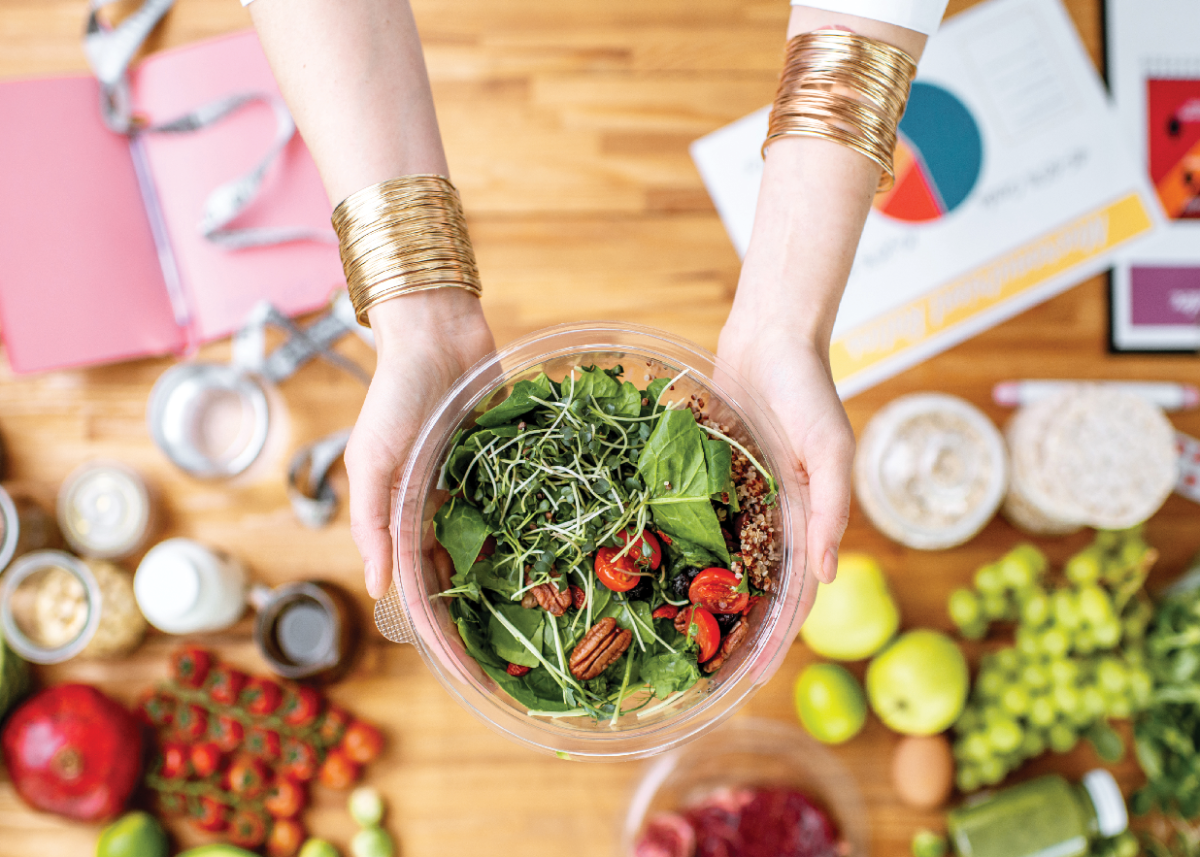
x: 830, y: 703
x: 135, y: 834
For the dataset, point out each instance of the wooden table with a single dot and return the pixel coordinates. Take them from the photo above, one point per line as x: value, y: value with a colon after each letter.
x: 567, y: 128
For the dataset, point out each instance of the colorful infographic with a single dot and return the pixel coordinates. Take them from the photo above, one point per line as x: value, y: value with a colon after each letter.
x: 939, y: 155
x: 1173, y: 134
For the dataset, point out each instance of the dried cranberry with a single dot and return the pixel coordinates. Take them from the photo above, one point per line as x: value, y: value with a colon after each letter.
x: 682, y: 582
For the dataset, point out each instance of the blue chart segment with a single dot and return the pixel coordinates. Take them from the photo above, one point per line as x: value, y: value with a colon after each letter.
x: 939, y: 155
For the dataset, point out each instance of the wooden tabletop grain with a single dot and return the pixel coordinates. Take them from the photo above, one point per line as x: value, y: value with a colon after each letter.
x: 566, y: 126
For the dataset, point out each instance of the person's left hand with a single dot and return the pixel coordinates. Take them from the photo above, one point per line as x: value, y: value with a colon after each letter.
x: 791, y: 371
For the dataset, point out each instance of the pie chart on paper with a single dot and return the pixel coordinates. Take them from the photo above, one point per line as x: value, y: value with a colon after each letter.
x: 939, y: 155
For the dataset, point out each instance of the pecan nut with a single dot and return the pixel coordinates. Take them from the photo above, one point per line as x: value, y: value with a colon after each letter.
x: 736, y: 636
x: 549, y: 598
x: 599, y: 649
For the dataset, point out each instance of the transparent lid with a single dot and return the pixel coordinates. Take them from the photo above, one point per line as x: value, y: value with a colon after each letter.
x: 644, y: 353
x: 50, y: 606
x: 104, y: 510
x: 1111, y: 815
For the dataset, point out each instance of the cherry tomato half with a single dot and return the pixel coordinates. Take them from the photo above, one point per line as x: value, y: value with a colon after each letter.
x: 618, y: 575
x: 638, y: 555
x: 715, y: 589
x: 698, y: 624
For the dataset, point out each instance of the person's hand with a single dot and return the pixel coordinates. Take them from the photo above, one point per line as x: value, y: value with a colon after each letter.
x: 791, y: 370
x: 425, y: 342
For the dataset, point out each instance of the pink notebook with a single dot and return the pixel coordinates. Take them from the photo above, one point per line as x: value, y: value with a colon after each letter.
x: 81, y: 279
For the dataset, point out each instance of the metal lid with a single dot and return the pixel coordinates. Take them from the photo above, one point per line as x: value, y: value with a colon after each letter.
x: 210, y: 419
x: 27, y: 598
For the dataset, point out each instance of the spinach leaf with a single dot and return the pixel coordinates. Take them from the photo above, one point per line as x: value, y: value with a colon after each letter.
x: 474, y: 635
x: 595, y: 382
x: 718, y: 456
x: 535, y: 690
x: 461, y: 530
x: 626, y: 403
x: 489, y: 578
x: 669, y: 673
x: 655, y: 388
x: 683, y: 554
x: 519, y: 402
x: 674, y: 468
x: 529, y: 622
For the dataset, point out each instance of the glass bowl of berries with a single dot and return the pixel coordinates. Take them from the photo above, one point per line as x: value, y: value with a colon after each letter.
x: 753, y: 788
x: 600, y: 542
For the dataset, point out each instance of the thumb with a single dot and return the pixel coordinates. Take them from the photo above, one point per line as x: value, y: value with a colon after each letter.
x: 828, y: 472
x: 371, y: 468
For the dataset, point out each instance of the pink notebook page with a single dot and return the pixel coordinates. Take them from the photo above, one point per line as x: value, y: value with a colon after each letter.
x: 80, y: 281
x: 223, y: 285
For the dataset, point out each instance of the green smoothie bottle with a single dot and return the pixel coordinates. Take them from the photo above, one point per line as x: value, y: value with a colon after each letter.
x: 1046, y: 817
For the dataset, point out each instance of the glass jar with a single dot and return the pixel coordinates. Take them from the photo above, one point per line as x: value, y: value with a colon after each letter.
x: 1046, y: 817
x: 411, y: 613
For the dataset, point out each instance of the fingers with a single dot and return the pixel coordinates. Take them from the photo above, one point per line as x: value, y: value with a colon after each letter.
x: 372, y: 471
x: 829, y: 471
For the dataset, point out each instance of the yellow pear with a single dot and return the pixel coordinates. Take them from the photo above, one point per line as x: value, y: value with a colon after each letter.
x: 855, y: 616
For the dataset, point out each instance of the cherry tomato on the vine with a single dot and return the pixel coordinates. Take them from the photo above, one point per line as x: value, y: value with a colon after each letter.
x: 715, y: 589
x: 650, y: 557
x: 362, y: 742
x: 248, y: 828
x: 174, y: 761
x: 285, y: 838
x: 210, y: 814
x: 285, y: 798
x: 698, y: 624
x: 617, y: 574
x: 338, y: 772
x: 205, y: 758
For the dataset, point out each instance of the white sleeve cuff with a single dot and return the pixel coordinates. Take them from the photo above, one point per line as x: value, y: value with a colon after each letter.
x: 922, y: 16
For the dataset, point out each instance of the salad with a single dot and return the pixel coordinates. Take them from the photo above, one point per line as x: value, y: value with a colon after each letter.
x: 608, y: 543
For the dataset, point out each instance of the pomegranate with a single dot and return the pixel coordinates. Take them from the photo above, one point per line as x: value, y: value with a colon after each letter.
x: 73, y: 751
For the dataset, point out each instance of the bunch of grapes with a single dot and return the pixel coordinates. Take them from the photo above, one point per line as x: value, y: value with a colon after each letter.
x: 1076, y: 658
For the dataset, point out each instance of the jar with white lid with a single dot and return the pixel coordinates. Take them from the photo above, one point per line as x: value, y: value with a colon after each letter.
x: 184, y: 587
x: 105, y: 510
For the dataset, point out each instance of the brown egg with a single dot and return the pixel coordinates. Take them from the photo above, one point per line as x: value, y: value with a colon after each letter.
x: 923, y: 770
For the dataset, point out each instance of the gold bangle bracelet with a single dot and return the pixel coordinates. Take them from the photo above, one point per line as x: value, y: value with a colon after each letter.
x: 850, y: 89
x: 401, y: 236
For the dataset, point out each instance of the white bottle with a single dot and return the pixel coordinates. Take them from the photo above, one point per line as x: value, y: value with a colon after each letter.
x: 183, y: 587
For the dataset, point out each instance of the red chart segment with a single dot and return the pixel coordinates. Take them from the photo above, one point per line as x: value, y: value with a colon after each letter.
x: 913, y: 197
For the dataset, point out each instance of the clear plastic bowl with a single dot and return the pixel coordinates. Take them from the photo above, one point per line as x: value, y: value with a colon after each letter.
x: 750, y: 752
x: 644, y: 353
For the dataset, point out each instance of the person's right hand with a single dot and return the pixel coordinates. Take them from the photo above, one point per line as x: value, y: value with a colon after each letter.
x: 425, y: 342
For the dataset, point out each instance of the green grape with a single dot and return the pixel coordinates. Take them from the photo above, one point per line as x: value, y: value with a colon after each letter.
x: 991, y: 684
x: 1108, y: 540
x: 1004, y: 735
x: 1066, y: 610
x: 1112, y: 676
x: 1008, y: 660
x: 991, y: 771
x: 1016, y: 572
x: 1042, y: 711
x: 1125, y: 845
x: 1119, y: 707
x: 1093, y: 702
x: 1035, y: 609
x: 1033, y: 744
x: 994, y: 606
x: 1140, y: 687
x: 967, y: 779
x: 1031, y: 557
x: 1107, y: 635
x: 968, y: 721
x: 1035, y: 676
x: 975, y: 747
x: 1132, y: 551
x: 1066, y: 700
x: 1054, y: 643
x: 1085, y: 641
x: 1015, y: 700
x: 1064, y: 671
x: 1094, y: 605
x: 926, y: 843
x: 1061, y: 738
x: 1084, y: 567
x: 1028, y: 643
x: 977, y: 630
x: 963, y: 606
x: 988, y: 580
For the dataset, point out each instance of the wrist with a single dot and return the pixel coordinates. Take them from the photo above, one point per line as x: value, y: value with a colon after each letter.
x: 433, y: 315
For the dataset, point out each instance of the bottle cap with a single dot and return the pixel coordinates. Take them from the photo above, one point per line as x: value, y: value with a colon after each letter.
x: 167, y: 586
x: 1106, y: 797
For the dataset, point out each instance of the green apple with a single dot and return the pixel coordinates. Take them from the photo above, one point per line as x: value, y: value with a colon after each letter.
x: 135, y: 834
x: 918, y: 685
x: 830, y: 703
x: 855, y: 616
